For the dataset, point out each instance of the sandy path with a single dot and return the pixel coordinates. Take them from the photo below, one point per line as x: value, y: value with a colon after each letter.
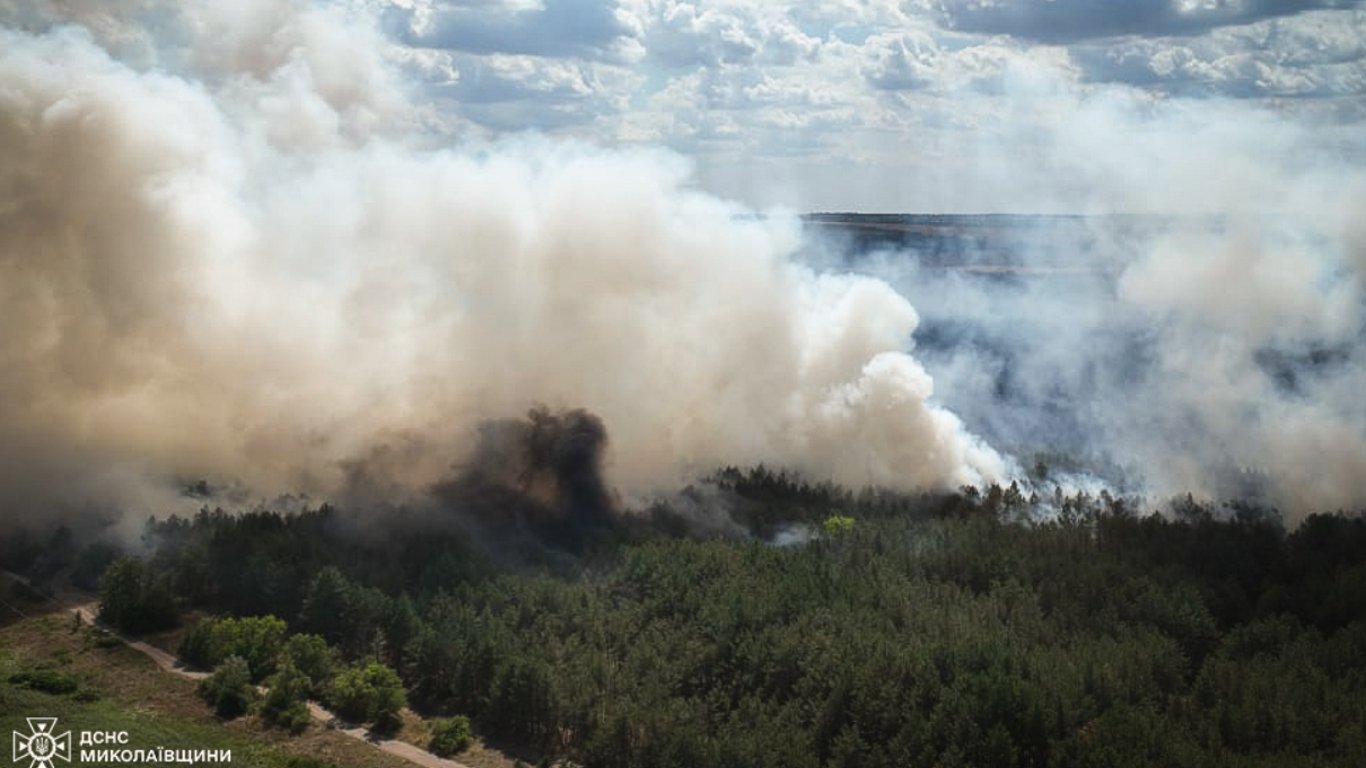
x: 394, y: 747
x: 169, y: 663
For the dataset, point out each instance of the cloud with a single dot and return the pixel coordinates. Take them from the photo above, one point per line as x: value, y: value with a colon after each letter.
x: 558, y: 28
x: 681, y: 34
x: 1309, y: 55
x: 1061, y: 21
x: 907, y: 61
x: 518, y: 93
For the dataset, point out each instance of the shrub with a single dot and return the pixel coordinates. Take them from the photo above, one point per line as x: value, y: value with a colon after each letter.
x: 257, y: 639
x: 229, y: 690
x: 837, y: 525
x: 450, y: 736
x: 196, y: 646
x: 294, y: 719
x: 285, y: 705
x: 45, y: 680
x: 311, y: 655
x: 372, y: 694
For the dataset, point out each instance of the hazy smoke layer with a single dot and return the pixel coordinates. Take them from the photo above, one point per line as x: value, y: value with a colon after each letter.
x: 248, y: 271
x: 1222, y: 356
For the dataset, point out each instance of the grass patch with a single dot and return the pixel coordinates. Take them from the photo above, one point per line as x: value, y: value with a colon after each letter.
x: 307, y: 762
x: 145, y: 729
x: 45, y: 681
x: 122, y: 690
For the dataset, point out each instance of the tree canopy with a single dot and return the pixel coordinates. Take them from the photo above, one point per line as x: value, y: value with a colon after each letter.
x: 986, y: 627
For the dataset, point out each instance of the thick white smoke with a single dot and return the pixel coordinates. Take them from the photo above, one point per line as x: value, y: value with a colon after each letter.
x: 251, y: 270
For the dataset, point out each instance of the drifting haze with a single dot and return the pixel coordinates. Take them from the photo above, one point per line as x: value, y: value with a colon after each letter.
x: 1220, y: 358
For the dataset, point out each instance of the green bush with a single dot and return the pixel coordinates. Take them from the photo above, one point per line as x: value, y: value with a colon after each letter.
x: 294, y: 719
x: 285, y: 705
x: 837, y: 525
x: 450, y: 736
x: 45, y: 680
x: 196, y: 645
x: 257, y: 639
x: 370, y: 694
x: 312, y: 656
x: 229, y: 690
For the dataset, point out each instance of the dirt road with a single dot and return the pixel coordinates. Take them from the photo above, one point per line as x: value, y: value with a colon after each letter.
x: 394, y: 747
x: 169, y: 663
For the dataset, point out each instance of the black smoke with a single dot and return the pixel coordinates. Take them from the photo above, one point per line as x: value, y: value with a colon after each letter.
x: 535, y: 479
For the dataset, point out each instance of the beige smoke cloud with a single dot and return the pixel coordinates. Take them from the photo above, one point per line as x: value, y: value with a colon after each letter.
x: 248, y: 272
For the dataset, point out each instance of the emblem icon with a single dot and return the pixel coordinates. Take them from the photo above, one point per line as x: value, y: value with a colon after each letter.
x: 42, y: 744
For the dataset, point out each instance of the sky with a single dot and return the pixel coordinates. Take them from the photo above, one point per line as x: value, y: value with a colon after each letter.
x: 865, y: 105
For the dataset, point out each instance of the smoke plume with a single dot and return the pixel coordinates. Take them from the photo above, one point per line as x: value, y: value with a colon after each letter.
x: 233, y: 250
x: 539, y: 476
x: 229, y: 251
x: 1214, y: 345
